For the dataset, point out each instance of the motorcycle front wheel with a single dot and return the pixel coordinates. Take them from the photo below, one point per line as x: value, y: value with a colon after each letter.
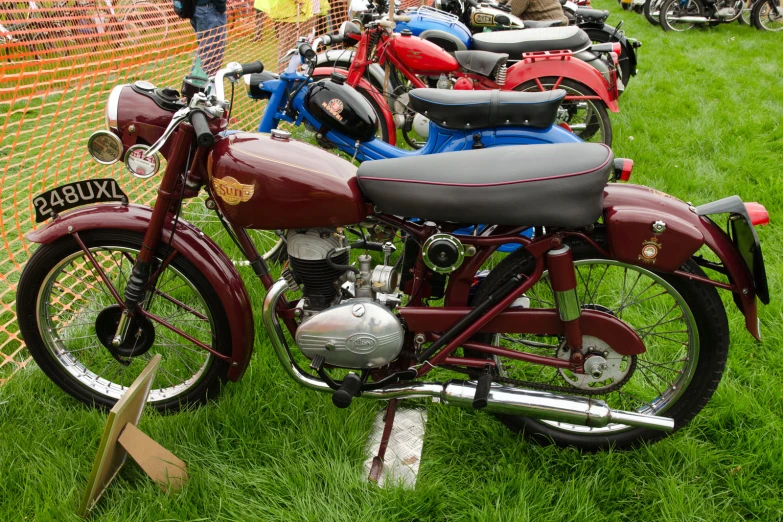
x: 588, y: 119
x: 673, y: 10
x: 67, y: 317
x: 684, y: 328
x: 767, y: 15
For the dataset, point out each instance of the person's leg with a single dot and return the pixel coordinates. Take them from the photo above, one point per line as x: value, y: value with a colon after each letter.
x: 210, y: 29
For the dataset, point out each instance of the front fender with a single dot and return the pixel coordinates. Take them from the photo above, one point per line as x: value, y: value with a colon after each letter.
x: 629, y: 214
x: 365, y: 85
x: 191, y: 243
x: 566, y: 68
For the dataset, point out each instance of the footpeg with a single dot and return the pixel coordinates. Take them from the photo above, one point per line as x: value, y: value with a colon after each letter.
x: 349, y: 389
x: 484, y: 383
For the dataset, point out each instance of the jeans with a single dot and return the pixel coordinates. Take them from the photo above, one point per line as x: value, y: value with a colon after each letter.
x: 210, y: 27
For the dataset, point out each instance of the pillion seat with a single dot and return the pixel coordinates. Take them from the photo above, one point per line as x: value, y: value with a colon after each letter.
x: 515, y: 43
x: 456, y: 109
x: 547, y: 185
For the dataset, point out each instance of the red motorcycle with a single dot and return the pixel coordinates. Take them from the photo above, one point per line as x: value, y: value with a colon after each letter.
x: 412, y: 62
x: 603, y: 329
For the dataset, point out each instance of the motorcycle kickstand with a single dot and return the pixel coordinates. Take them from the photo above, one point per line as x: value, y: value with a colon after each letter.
x: 377, y: 462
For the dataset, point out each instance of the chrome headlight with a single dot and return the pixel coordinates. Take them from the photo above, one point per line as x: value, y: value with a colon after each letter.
x: 111, y: 108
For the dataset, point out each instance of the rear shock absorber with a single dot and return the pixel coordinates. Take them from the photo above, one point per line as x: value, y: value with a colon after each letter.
x: 560, y: 263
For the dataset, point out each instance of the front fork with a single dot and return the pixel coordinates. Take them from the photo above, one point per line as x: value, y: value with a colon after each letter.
x: 562, y: 276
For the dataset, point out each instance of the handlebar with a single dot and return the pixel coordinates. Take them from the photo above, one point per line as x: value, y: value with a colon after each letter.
x: 204, y: 136
x: 252, y: 67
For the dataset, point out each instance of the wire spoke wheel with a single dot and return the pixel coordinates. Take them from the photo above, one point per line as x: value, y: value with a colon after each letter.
x: 768, y: 15
x: 682, y: 324
x: 69, y: 317
x: 587, y: 118
x: 649, y: 383
x: 673, y: 12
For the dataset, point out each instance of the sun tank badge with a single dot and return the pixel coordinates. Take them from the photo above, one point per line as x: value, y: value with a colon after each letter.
x: 232, y: 191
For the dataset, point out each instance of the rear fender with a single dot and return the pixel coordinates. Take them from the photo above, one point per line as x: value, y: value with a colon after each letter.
x: 565, y: 67
x: 373, y: 92
x: 630, y: 211
x: 191, y: 243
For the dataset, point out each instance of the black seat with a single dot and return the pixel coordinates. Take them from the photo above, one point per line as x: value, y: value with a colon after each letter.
x: 537, y: 24
x: 515, y: 43
x: 481, y: 109
x: 592, y: 15
x: 480, y: 62
x: 547, y: 185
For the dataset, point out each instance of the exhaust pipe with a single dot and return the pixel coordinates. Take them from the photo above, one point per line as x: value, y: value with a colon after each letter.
x: 690, y: 19
x: 513, y: 401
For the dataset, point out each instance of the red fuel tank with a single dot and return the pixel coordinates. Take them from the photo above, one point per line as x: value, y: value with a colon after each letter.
x: 421, y: 56
x: 270, y: 183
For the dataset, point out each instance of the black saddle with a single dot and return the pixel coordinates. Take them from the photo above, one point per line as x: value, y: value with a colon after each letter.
x: 516, y: 43
x: 480, y: 109
x: 537, y: 185
x: 480, y: 62
x: 537, y: 24
x: 592, y: 15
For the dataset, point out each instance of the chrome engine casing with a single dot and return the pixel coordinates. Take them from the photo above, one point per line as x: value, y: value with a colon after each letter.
x: 358, y: 333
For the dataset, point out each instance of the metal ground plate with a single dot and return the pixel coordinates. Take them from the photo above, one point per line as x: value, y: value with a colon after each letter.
x: 403, y: 454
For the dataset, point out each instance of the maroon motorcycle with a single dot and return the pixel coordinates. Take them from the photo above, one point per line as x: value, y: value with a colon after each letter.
x: 603, y: 329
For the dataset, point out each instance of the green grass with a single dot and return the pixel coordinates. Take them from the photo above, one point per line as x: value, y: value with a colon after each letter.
x: 702, y: 121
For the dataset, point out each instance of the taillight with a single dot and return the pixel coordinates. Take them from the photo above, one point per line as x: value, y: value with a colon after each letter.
x: 623, y: 168
x: 617, y: 48
x: 758, y: 214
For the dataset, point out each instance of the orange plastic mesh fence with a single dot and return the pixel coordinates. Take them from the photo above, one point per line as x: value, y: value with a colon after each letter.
x: 58, y: 62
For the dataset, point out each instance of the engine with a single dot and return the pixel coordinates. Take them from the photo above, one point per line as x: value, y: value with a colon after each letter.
x: 346, y: 312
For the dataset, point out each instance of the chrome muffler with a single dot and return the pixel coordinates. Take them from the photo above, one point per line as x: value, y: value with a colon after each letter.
x: 690, y: 19
x: 541, y: 405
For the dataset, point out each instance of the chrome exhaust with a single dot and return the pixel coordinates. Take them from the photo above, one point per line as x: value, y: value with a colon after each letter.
x: 690, y: 19
x: 514, y: 401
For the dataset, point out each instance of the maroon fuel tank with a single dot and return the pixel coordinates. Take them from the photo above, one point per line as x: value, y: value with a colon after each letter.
x: 422, y: 56
x: 270, y: 183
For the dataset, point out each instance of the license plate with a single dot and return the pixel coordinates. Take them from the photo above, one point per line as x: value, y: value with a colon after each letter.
x: 66, y: 197
x: 747, y: 241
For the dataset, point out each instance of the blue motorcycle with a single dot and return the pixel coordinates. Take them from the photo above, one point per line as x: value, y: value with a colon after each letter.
x: 342, y: 117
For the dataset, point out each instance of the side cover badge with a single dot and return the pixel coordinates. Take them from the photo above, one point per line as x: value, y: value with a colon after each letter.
x: 140, y: 166
x: 232, y: 191
x: 650, y: 249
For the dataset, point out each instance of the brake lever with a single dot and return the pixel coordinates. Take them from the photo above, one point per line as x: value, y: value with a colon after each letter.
x: 179, y: 116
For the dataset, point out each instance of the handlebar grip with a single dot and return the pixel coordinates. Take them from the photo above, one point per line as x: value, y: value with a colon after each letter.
x: 386, y: 23
x: 306, y: 51
x: 473, y: 3
x: 332, y: 39
x: 402, y: 18
x: 204, y: 136
x: 252, y: 67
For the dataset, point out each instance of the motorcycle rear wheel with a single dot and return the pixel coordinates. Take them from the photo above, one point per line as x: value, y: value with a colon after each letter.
x: 63, y: 308
x: 672, y: 9
x: 588, y: 119
x: 651, y: 11
x: 764, y: 15
x: 676, y: 377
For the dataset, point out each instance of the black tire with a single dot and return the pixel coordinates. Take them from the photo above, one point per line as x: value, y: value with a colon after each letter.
x: 598, y: 123
x: 649, y: 11
x: 599, y: 36
x: 383, y: 129
x: 763, y: 13
x: 43, y: 266
x: 693, y: 8
x: 712, y: 326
